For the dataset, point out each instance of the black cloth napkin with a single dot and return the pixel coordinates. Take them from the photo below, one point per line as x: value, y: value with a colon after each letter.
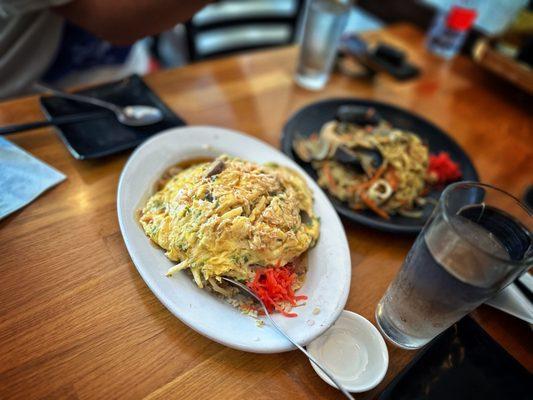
x: 104, y: 135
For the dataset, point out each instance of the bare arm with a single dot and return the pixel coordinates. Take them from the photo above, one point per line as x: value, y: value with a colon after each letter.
x: 124, y: 21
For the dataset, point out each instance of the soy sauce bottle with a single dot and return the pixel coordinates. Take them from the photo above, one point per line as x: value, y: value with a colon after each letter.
x: 450, y: 27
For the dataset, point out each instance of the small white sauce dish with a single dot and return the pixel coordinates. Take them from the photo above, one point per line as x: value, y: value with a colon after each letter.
x: 354, y: 351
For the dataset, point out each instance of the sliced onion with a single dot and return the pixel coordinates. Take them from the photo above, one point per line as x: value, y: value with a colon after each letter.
x: 410, y: 213
x: 380, y: 191
x: 302, y: 151
x: 217, y: 288
x: 319, y: 148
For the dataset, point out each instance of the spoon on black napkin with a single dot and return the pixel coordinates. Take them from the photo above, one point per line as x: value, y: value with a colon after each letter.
x: 133, y: 115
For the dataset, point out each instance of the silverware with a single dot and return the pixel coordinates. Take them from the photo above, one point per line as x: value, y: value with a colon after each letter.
x: 63, y: 120
x: 133, y: 115
x: 311, y: 358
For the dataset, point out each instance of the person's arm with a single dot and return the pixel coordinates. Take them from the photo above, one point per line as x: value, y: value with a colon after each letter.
x: 124, y: 21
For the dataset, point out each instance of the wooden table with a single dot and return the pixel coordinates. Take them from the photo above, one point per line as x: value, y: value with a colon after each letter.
x: 76, y: 319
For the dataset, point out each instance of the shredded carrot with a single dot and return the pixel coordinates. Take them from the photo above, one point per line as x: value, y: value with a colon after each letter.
x: 360, y: 187
x: 374, y: 207
x: 329, y: 176
x: 376, y: 176
x: 274, y: 285
x: 355, y: 187
x: 391, y: 177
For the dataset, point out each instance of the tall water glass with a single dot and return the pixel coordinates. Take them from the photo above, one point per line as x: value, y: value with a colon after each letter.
x: 325, y: 22
x: 477, y: 241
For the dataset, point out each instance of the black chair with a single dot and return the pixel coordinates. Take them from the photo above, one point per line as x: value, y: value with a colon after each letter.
x: 231, y: 26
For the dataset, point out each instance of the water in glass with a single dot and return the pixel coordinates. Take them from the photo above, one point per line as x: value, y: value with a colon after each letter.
x: 444, y: 277
x: 326, y: 20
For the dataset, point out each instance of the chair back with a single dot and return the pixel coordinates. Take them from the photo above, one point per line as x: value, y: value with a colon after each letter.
x: 230, y: 26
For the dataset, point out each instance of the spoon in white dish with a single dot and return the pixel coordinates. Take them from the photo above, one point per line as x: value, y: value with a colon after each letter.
x: 309, y: 356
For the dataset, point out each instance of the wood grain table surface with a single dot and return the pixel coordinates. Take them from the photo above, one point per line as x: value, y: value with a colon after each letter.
x: 76, y: 319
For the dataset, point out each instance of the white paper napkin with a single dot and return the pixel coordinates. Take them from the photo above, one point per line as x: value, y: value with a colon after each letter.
x: 22, y: 177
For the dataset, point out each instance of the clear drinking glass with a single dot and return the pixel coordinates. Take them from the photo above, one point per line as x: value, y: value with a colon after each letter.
x: 477, y: 241
x: 325, y: 22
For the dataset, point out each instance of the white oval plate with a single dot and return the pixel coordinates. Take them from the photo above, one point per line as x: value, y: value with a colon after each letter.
x: 328, y: 278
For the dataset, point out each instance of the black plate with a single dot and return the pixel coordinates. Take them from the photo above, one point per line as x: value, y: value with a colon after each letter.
x: 462, y: 363
x: 311, y: 118
x: 104, y: 136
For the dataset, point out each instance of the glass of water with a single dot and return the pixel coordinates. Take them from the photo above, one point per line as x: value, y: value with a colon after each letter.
x: 477, y: 241
x: 325, y: 22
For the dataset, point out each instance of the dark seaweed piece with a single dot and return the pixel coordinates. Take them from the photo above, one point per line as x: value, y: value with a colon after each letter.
x: 216, y: 168
x: 363, y: 159
x: 358, y: 115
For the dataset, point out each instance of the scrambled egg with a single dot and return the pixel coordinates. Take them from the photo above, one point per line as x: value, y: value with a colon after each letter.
x: 218, y: 218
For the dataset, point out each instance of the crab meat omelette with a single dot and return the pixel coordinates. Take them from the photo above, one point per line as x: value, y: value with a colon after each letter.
x: 230, y: 216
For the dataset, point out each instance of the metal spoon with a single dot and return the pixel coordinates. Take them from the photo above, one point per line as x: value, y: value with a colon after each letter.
x: 313, y: 360
x: 134, y: 115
